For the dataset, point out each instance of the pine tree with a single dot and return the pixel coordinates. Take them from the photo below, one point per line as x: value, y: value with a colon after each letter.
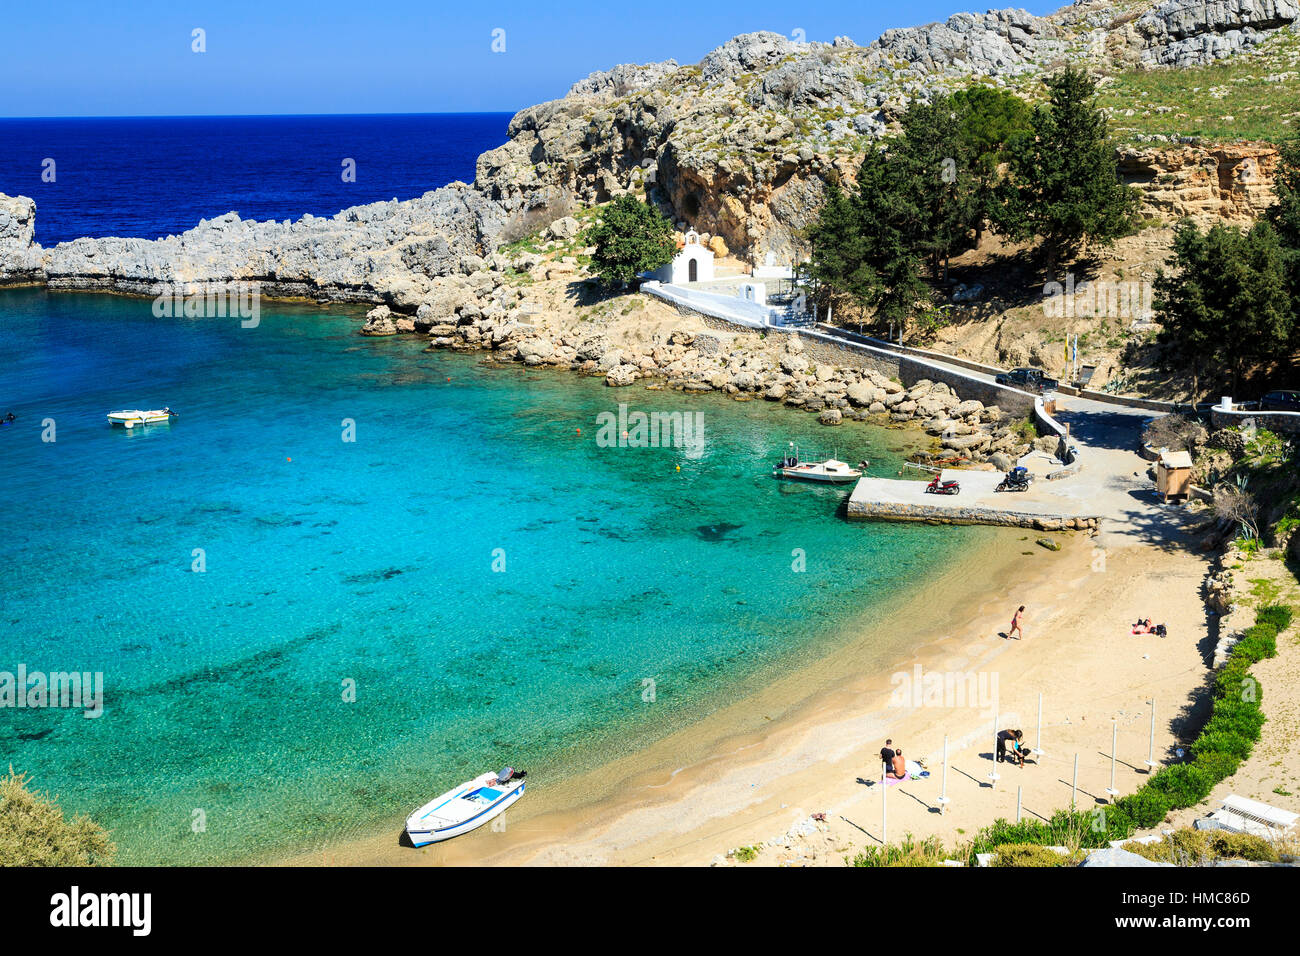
x: 1226, y: 304
x: 1066, y: 188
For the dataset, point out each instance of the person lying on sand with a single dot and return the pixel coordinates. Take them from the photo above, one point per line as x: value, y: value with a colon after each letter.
x: 1144, y: 626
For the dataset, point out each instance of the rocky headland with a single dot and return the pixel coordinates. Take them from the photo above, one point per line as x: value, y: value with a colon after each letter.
x: 739, y: 146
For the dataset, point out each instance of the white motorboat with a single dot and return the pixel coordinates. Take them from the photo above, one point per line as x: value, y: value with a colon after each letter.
x: 831, y: 471
x: 132, y: 417
x: 466, y: 807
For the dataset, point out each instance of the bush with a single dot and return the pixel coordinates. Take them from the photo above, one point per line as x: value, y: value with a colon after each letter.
x: 928, y: 852
x: 33, y: 831
x: 1223, y: 742
x: 1147, y: 808
x: 1194, y: 847
x: 1183, y: 785
x: 1242, y: 721
x: 1259, y: 642
x: 1216, y: 765
x: 1277, y: 616
x: 1029, y: 854
x: 633, y: 237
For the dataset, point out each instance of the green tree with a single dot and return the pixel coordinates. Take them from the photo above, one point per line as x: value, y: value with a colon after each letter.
x: 993, y: 124
x: 864, y: 242
x: 1225, y: 306
x: 34, y: 832
x: 1284, y: 215
x: 633, y: 237
x: 1064, y: 185
x: 931, y: 168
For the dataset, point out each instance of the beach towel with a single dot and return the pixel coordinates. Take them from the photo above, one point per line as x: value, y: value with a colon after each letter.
x: 915, y: 770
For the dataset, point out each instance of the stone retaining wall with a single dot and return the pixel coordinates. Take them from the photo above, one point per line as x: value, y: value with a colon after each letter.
x: 1286, y: 423
x: 948, y: 514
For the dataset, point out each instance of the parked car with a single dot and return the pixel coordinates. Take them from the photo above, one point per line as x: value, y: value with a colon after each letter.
x: 1030, y: 379
x: 1283, y: 400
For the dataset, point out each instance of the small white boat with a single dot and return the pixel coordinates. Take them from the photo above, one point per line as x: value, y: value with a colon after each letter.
x: 465, y: 808
x: 132, y: 417
x: 831, y: 471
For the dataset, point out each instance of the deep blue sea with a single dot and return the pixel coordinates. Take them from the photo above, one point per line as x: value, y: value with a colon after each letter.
x: 303, y: 637
x: 157, y: 176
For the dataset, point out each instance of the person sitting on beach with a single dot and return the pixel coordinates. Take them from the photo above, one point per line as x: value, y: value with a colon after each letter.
x: 899, y: 769
x: 1143, y: 626
x: 887, y: 753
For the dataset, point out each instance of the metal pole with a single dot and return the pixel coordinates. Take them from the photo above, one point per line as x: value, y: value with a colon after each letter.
x: 1038, y: 738
x: 1114, y: 738
x: 1151, y: 741
x: 943, y: 791
x: 884, y: 808
x: 1074, y: 784
x: 1019, y: 790
x: 993, y: 774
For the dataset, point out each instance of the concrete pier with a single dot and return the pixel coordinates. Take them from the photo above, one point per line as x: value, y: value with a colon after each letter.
x: 1046, y: 506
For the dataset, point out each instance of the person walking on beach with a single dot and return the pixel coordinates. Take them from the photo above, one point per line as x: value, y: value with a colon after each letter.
x: 1015, y: 624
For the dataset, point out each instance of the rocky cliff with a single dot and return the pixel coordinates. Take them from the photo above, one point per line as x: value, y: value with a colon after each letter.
x: 739, y: 145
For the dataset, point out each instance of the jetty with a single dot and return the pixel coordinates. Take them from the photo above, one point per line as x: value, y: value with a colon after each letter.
x: 1046, y: 506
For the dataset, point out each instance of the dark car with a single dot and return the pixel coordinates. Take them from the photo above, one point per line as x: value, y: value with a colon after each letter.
x: 1283, y: 400
x: 1029, y: 379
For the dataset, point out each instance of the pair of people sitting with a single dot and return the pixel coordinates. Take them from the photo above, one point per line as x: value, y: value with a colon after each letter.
x: 1144, y: 626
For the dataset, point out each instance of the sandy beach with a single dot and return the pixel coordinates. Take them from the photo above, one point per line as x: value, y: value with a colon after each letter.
x: 809, y: 742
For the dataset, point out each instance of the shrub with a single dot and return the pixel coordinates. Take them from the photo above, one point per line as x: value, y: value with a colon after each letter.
x: 1242, y: 721
x: 34, y: 832
x: 1183, y: 785
x: 1147, y: 808
x: 1223, y: 742
x: 1193, y: 847
x: 927, y: 852
x: 1216, y: 765
x: 1278, y: 616
x: 1029, y: 854
x: 1259, y: 642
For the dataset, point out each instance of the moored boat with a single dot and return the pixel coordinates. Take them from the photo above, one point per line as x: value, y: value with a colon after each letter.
x: 830, y: 471
x: 466, y: 807
x: 132, y: 417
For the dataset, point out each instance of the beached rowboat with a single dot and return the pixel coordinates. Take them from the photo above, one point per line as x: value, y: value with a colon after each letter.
x: 132, y: 417
x: 465, y: 808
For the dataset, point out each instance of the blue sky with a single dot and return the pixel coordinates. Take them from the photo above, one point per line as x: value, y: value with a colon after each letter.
x: 66, y: 58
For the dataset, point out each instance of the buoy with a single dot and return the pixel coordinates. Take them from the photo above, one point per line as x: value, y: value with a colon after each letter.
x: 679, y: 467
x: 288, y: 459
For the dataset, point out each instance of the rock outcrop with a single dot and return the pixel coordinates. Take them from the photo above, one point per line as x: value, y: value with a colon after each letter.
x: 1183, y: 33
x: 739, y: 146
x: 1209, y: 184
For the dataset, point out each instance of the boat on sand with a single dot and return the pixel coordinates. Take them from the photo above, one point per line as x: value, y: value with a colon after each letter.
x: 466, y: 807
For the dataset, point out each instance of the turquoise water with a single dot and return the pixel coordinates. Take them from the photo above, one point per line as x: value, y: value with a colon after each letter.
x: 495, y: 586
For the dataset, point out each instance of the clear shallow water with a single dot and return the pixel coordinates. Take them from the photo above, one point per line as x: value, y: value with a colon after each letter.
x: 372, y: 562
x: 165, y: 173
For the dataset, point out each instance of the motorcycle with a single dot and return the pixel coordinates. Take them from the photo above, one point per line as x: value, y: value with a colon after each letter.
x: 938, y: 486
x: 1017, y: 479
